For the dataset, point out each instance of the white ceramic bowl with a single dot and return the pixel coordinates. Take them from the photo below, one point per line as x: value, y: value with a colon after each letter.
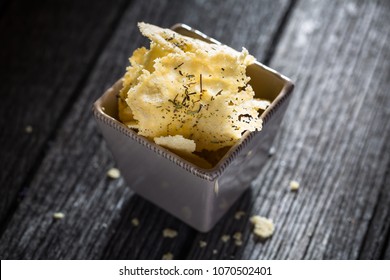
x: 197, y: 196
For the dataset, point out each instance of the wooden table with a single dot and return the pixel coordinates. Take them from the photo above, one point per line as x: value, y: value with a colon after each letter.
x: 57, y: 58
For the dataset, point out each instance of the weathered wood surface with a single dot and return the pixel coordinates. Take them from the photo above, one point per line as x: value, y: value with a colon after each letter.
x: 334, y: 139
x: 48, y: 48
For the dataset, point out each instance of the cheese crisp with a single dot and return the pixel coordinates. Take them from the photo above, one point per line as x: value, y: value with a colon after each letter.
x: 193, y: 91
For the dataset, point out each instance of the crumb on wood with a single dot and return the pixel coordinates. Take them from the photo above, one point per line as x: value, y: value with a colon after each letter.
x: 58, y: 215
x: 135, y: 222
x: 238, y: 242
x: 237, y: 235
x: 225, y: 238
x: 28, y: 129
x: 215, y: 251
x: 202, y: 244
x: 237, y: 238
x: 169, y: 233
x: 263, y: 227
x: 239, y: 215
x: 294, y: 185
x: 113, y: 173
x: 167, y: 256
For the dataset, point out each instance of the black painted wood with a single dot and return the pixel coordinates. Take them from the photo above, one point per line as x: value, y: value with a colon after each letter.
x: 334, y: 139
x: 47, y: 50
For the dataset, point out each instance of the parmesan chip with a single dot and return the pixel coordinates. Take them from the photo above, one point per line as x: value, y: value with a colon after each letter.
x: 176, y: 142
x: 193, y: 91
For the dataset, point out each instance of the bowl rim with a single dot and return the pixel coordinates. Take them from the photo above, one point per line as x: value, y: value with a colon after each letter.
x: 207, y: 174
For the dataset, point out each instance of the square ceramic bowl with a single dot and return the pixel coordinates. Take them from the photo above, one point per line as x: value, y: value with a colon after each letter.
x: 197, y: 196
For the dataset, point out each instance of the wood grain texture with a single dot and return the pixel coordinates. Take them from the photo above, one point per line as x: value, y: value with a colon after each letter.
x: 47, y: 50
x: 377, y: 242
x: 72, y: 176
x: 334, y: 140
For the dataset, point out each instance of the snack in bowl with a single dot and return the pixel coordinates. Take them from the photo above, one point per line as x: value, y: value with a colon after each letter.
x: 188, y: 95
x: 172, y: 169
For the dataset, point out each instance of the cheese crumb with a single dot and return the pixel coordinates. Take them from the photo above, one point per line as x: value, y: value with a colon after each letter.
x: 58, y: 215
x: 113, y: 173
x: 237, y: 238
x: 225, y: 238
x: 167, y: 256
x: 169, y: 233
x: 202, y: 244
x: 294, y: 186
x: 239, y: 215
x: 215, y: 251
x: 263, y: 227
x: 135, y: 222
x: 177, y: 143
x: 29, y: 129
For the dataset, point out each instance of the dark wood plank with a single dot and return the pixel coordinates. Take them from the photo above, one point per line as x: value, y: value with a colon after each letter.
x: 48, y: 48
x: 334, y: 140
x: 386, y: 255
x: 72, y: 177
x: 377, y: 242
x: 3, y: 6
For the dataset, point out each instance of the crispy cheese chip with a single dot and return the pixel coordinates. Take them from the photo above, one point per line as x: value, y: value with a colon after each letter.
x: 184, y: 86
x: 176, y: 142
x: 183, y: 147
